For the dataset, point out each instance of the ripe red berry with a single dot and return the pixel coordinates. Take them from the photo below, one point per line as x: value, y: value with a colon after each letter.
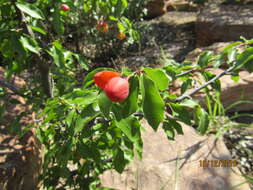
x: 117, y: 89
x: 64, y: 7
x: 103, y: 77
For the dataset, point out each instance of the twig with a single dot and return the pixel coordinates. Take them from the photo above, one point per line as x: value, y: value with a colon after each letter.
x: 186, y: 72
x: 188, y: 95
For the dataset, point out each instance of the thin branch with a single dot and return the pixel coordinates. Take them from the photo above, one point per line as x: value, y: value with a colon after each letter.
x: 188, y: 95
x: 186, y: 72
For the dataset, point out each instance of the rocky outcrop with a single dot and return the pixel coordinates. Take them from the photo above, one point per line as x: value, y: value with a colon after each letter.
x: 224, y: 23
x: 157, y: 8
x: 177, y: 164
x: 231, y: 91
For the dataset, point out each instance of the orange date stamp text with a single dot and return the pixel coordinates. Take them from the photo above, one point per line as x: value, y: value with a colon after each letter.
x: 218, y: 163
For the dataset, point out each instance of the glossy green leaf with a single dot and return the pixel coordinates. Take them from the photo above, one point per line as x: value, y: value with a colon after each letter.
x: 119, y: 161
x: 208, y: 76
x: 130, y: 127
x: 203, y: 120
x: 159, y: 77
x: 186, y: 85
x: 181, y: 113
x: 167, y: 127
x: 82, y: 61
x: 87, y: 114
x: 57, y: 53
x: 29, y: 9
x: 249, y: 65
x: 235, y: 78
x: 245, y: 59
x: 104, y: 104
x: 117, y: 111
x: 30, y: 44
x: 177, y: 126
x: 130, y: 105
x: 204, y: 58
x: 153, y: 105
x: 70, y: 117
x: 37, y: 29
x: 189, y: 103
x: 58, y: 23
x: 86, y: 99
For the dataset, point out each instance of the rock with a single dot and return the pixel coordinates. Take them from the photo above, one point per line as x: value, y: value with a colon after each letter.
x: 159, y: 7
x: 173, y: 18
x: 180, y: 5
x: 224, y: 23
x: 234, y: 91
x: 20, y: 157
x: 231, y: 91
x: 176, y: 164
x: 156, y: 8
x: 215, y: 48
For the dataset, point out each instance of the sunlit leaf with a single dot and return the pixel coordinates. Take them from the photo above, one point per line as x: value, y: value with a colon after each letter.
x: 153, y: 105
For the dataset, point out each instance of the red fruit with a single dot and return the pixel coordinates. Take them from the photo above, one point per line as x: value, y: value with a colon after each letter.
x: 103, y: 77
x: 102, y: 26
x: 121, y: 36
x: 105, y: 28
x: 117, y: 89
x: 64, y: 7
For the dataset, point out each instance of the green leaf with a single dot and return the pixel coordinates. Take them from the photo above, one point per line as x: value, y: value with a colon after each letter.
x: 113, y: 18
x: 189, y: 103
x: 203, y: 120
x: 37, y: 29
x: 130, y: 105
x: 169, y: 130
x: 14, y: 101
x: 180, y: 113
x: 86, y: 99
x: 249, y: 65
x: 232, y: 53
x: 245, y: 59
x: 153, y: 105
x: 159, y: 77
x: 30, y: 44
x: 186, y: 85
x: 235, y: 78
x: 70, y: 117
x: 120, y: 7
x: 204, y: 58
x: 88, y: 114
x: 177, y: 126
x: 57, y: 53
x: 130, y: 127
x: 230, y: 46
x: 82, y: 61
x: 89, y: 77
x: 104, y: 104
x: 57, y: 23
x: 119, y: 161
x: 29, y: 9
x: 208, y: 76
